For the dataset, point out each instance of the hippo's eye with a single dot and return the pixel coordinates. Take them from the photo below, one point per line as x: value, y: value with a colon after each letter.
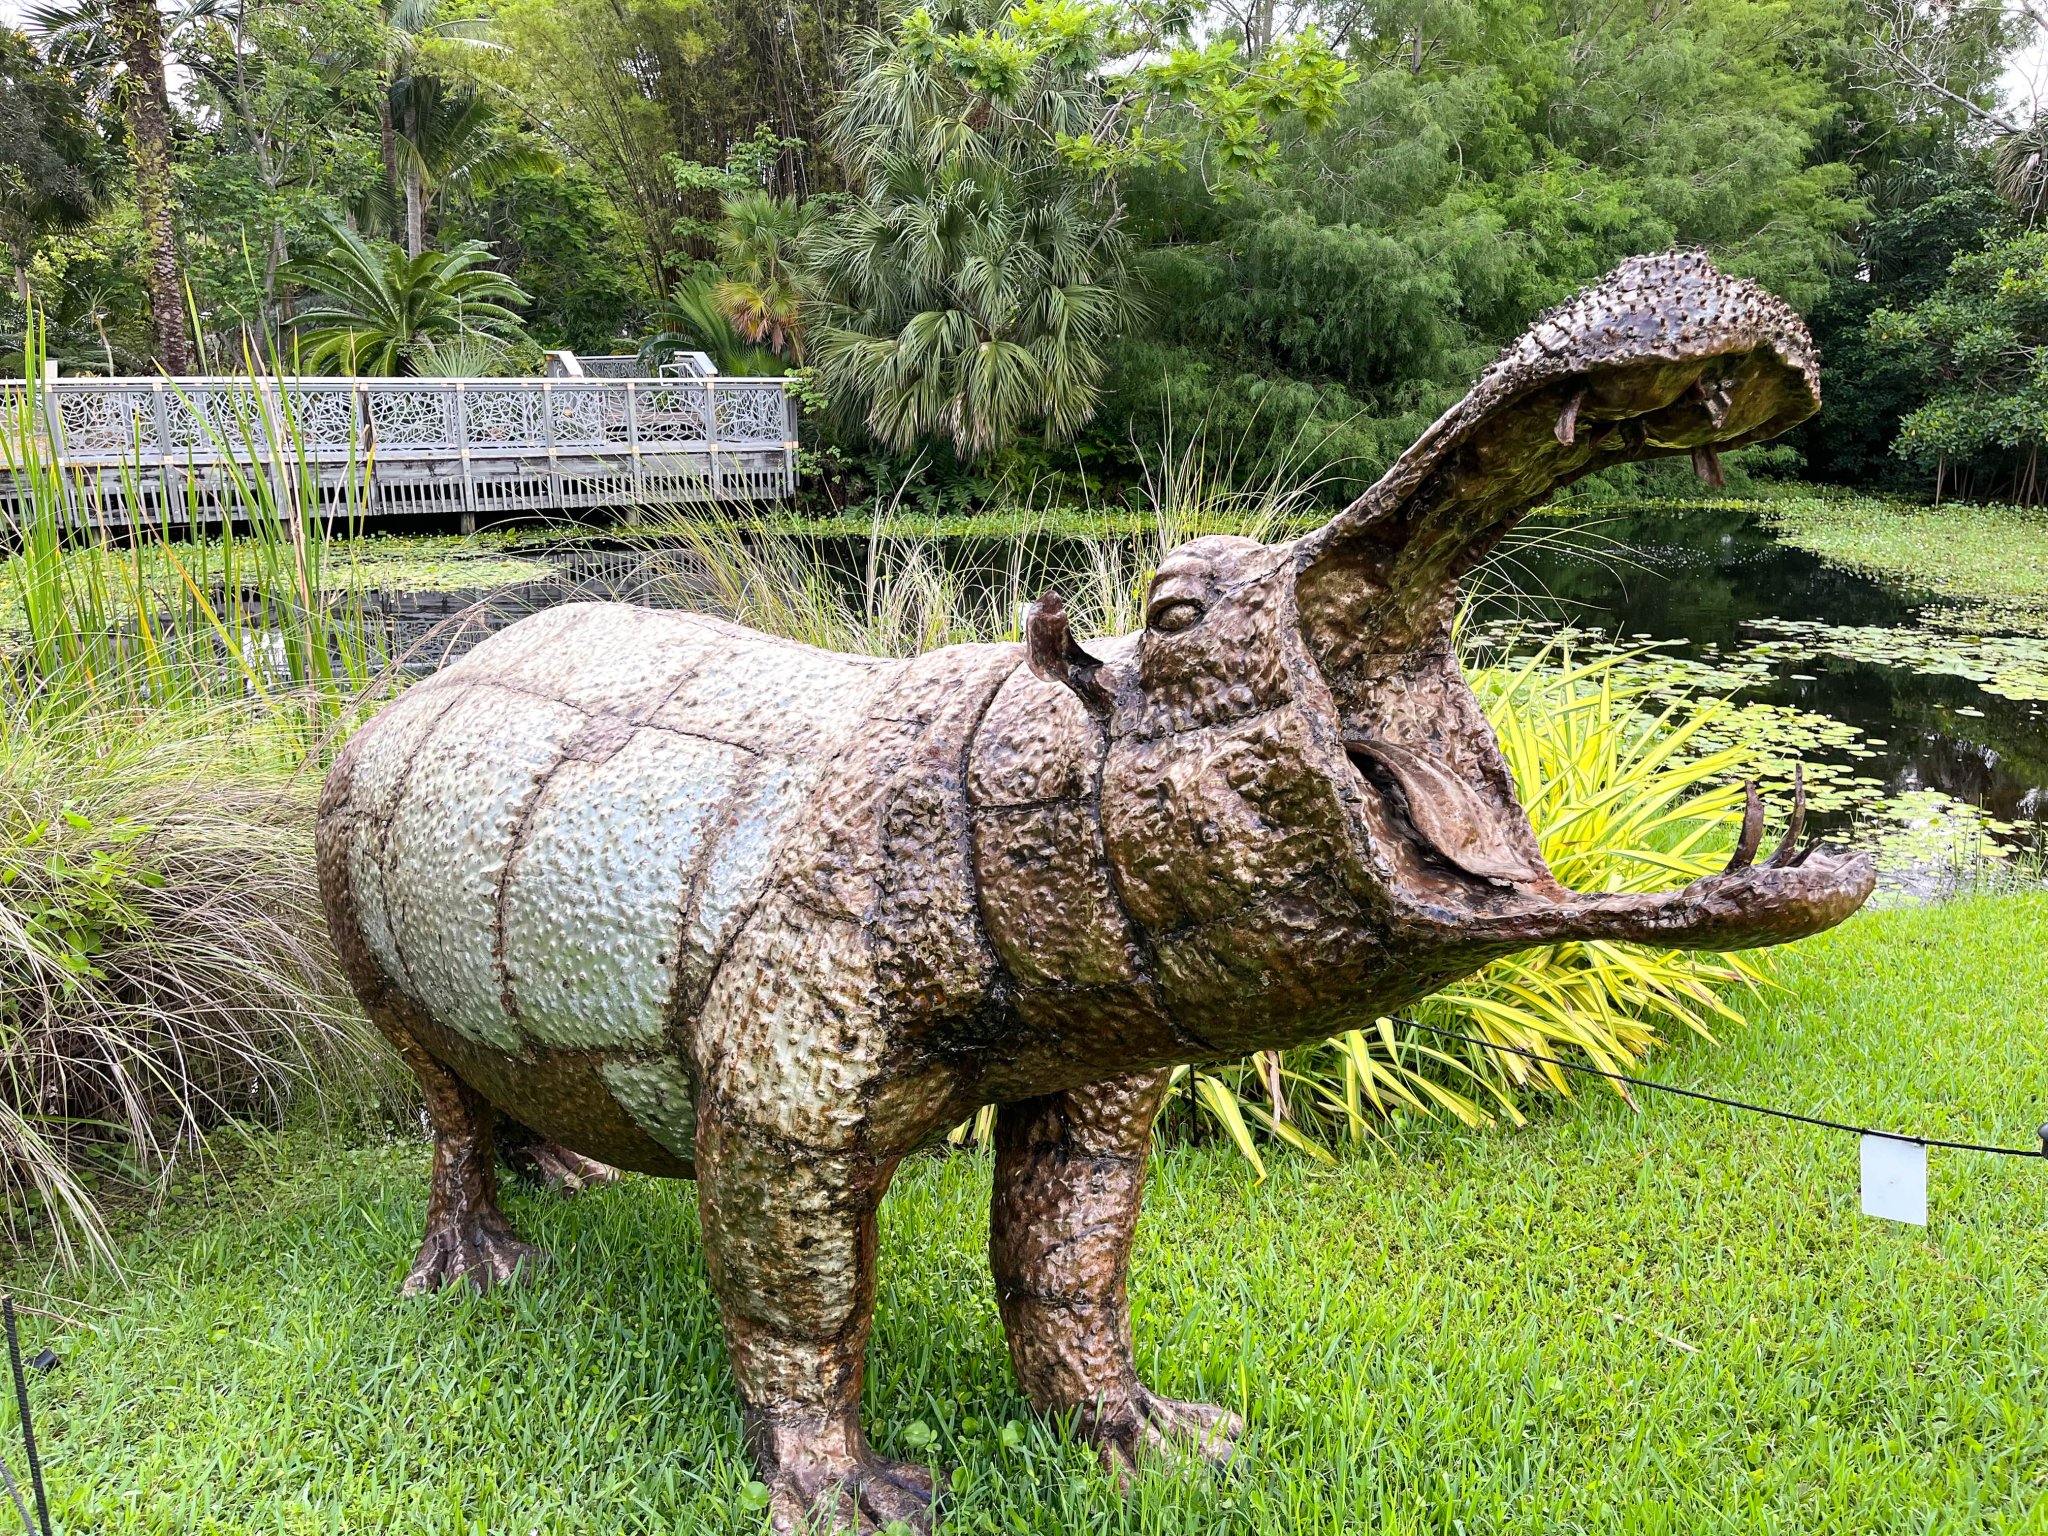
x: 1178, y: 598
x: 1169, y: 615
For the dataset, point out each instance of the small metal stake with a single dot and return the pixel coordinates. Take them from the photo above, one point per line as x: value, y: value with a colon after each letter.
x: 28, y: 1432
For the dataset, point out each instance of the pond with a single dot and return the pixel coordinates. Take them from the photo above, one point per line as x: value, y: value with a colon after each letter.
x: 1919, y: 739
x: 1924, y: 740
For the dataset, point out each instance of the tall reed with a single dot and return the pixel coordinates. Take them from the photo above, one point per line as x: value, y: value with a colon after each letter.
x: 163, y: 964
x: 159, y: 613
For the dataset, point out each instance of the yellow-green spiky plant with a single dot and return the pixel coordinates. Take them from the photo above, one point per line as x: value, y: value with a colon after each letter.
x: 1622, y: 798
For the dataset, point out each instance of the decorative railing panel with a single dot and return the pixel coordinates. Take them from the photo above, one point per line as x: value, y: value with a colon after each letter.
x: 433, y: 444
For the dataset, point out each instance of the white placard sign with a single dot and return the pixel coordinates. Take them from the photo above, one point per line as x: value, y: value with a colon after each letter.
x: 1895, y: 1179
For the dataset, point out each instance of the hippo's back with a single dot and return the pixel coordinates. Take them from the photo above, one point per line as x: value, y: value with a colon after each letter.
x: 546, y: 846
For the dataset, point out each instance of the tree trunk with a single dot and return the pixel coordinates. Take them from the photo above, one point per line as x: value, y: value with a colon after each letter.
x: 415, y: 186
x: 387, y: 136
x: 139, y: 30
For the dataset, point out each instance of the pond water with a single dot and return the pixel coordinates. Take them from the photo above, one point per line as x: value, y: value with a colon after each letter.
x: 1919, y: 739
x: 1924, y: 738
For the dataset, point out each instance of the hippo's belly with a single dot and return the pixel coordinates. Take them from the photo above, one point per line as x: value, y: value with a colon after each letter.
x: 551, y: 844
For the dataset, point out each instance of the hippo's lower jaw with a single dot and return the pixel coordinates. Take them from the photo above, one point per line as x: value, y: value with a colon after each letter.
x: 1475, y: 875
x: 1741, y: 909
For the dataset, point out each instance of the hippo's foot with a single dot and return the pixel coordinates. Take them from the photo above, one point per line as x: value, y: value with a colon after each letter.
x: 1160, y: 1430
x: 483, y: 1250
x: 552, y: 1166
x: 822, y: 1478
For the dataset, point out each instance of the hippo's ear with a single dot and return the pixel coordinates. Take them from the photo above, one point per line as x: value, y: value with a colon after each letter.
x: 1052, y: 653
x: 1665, y: 356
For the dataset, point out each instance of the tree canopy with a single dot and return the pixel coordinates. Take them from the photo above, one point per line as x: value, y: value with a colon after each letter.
x: 1004, y: 238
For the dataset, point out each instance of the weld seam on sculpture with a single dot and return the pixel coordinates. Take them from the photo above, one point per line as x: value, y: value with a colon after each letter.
x: 828, y: 905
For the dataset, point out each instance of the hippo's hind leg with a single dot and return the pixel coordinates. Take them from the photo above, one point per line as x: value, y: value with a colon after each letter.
x: 789, y: 1240
x: 1070, y: 1174
x: 548, y: 1164
x: 468, y: 1237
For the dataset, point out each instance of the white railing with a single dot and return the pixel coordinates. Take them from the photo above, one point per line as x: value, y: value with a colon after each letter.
x: 464, y: 445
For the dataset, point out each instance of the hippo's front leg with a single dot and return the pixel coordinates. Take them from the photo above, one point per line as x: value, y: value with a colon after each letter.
x: 1070, y: 1175
x: 789, y: 1241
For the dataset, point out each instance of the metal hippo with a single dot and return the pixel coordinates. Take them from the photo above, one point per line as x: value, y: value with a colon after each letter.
x: 695, y: 901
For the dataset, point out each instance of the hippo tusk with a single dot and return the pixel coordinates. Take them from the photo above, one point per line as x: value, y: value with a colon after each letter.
x: 1752, y: 829
x: 1782, y: 856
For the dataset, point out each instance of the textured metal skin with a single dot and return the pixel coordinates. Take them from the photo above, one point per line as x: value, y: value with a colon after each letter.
x: 696, y: 901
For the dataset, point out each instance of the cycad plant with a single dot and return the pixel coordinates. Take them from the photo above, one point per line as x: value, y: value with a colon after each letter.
x: 372, y: 304
x: 968, y: 290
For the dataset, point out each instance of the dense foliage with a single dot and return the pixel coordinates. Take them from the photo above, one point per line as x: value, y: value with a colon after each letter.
x: 1009, y: 240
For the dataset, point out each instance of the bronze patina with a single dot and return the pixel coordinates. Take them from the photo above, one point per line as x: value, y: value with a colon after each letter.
x: 695, y: 901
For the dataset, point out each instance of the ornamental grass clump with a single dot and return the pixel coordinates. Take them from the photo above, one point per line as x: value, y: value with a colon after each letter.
x: 163, y: 963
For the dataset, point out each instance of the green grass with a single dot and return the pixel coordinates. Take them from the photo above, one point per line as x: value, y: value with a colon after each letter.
x: 1989, y: 563
x: 1668, y: 1322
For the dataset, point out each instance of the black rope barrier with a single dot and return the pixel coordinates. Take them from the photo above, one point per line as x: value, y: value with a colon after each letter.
x: 1714, y: 1098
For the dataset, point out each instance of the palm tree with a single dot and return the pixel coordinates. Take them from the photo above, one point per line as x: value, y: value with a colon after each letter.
x: 52, y: 161
x: 454, y: 141
x: 969, y: 290
x: 692, y: 319
x: 409, y: 100
x: 146, y: 110
x: 373, y: 304
x: 758, y: 245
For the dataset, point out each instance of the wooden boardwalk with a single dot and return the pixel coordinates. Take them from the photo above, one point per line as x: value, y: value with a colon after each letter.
x: 162, y: 449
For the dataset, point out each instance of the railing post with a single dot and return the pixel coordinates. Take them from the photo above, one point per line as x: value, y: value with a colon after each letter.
x: 162, y: 418
x: 362, y: 446
x: 789, y: 441
x: 633, y: 445
x: 547, y: 416
x: 462, y: 443
x: 711, y: 439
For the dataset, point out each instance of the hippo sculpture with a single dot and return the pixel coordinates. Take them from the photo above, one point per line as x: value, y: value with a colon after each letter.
x: 666, y: 894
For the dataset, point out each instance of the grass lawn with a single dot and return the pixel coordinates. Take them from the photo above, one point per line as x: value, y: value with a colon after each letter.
x: 1672, y: 1322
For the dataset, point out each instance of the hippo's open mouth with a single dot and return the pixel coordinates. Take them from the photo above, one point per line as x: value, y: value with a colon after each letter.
x: 1481, y: 864
x: 1667, y: 356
